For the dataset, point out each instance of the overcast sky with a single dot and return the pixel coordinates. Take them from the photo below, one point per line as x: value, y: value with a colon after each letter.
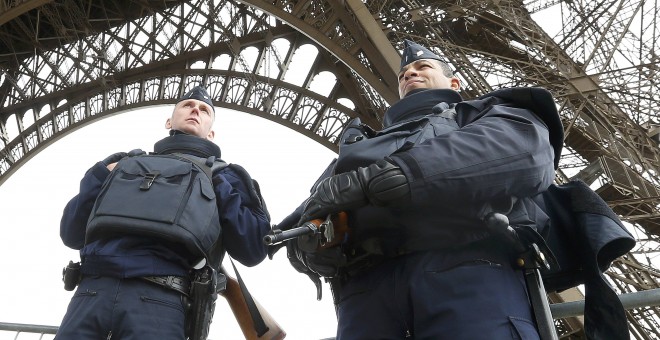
x: 284, y: 162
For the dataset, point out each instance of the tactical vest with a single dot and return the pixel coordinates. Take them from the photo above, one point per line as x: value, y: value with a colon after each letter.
x: 166, y: 196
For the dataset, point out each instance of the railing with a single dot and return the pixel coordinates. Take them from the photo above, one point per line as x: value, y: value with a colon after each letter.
x: 562, y: 310
x: 645, y: 298
x: 45, y: 332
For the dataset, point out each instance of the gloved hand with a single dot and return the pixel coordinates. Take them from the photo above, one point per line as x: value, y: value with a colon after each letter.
x: 379, y: 184
x: 325, y: 263
x: 296, y: 258
x: 114, y: 158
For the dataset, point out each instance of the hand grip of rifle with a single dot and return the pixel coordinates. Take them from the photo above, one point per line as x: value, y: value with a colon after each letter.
x: 278, y: 235
x: 499, y: 223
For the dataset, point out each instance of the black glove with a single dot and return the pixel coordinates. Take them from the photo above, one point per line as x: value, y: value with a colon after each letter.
x: 296, y: 259
x: 326, y: 262
x: 380, y: 183
x: 322, y: 263
x: 114, y: 158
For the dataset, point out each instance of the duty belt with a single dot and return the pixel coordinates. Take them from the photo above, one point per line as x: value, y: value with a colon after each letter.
x: 178, y: 283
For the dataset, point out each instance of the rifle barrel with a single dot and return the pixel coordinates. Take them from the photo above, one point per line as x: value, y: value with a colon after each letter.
x: 277, y: 235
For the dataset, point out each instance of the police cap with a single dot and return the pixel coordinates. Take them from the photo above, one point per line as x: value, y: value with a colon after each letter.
x: 199, y: 93
x: 413, y: 52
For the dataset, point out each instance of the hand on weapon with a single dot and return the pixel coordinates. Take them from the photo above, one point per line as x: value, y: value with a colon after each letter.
x: 324, y: 262
x: 297, y: 260
x: 379, y: 184
x: 524, y: 240
x: 315, y: 252
x: 530, y: 260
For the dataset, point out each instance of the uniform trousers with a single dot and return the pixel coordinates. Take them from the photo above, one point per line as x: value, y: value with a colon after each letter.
x: 126, y: 309
x: 453, y: 295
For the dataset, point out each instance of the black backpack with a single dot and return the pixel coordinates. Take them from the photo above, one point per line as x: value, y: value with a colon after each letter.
x: 585, y: 236
x: 167, y: 196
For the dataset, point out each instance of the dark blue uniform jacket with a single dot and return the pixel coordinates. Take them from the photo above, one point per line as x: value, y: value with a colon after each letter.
x: 459, y: 157
x: 244, y: 223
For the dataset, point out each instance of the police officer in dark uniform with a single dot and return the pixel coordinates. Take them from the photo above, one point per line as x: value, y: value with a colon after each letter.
x: 132, y: 286
x: 420, y: 262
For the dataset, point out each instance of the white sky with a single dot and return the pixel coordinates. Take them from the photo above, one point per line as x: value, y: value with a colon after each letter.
x: 32, y: 255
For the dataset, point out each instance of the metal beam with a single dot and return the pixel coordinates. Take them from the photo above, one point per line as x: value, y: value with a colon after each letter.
x: 645, y: 298
x: 376, y: 34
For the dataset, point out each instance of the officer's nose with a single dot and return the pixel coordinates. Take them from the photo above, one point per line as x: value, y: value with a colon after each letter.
x: 411, y: 72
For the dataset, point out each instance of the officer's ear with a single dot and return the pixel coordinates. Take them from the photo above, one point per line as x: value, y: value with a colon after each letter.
x: 210, y: 135
x: 455, y: 83
x: 168, y: 124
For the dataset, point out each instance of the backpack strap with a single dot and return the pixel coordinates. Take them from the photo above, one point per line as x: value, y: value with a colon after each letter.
x: 217, y: 164
x: 209, y: 165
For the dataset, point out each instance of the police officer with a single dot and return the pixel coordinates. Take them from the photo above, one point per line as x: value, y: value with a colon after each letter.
x: 420, y: 262
x: 132, y: 286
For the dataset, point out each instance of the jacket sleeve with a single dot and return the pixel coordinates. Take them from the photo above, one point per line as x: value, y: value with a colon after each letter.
x: 243, y: 216
x: 498, y: 151
x: 76, y: 213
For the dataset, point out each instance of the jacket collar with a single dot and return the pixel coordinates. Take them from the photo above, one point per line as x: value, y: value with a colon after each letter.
x: 188, y: 144
x: 418, y: 103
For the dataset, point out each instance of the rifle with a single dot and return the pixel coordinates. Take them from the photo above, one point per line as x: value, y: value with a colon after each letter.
x: 240, y: 307
x: 316, y: 234
x: 531, y: 259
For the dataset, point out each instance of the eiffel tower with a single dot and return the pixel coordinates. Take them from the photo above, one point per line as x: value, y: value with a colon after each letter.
x: 65, y: 64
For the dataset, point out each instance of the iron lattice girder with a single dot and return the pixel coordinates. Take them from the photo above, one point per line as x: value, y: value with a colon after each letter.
x: 295, y: 107
x: 47, y: 25
x: 130, y: 63
x: 96, y: 52
x: 601, y: 66
x: 499, y: 41
x: 336, y: 29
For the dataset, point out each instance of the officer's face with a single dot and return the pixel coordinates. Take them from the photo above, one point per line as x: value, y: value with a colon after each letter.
x: 193, y: 117
x: 425, y: 74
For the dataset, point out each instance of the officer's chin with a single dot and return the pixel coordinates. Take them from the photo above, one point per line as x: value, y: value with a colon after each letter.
x: 186, y: 131
x: 413, y: 91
